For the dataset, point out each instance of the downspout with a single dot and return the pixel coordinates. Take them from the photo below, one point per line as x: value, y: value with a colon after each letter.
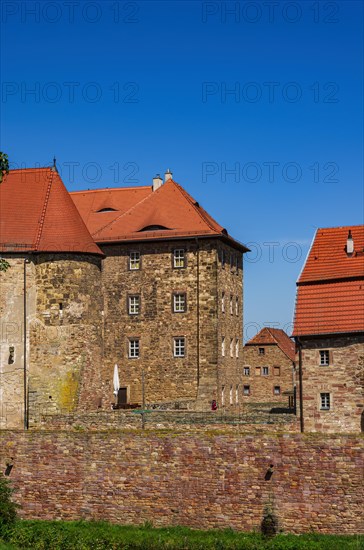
x: 198, y: 312
x: 26, y: 423
x: 299, y: 344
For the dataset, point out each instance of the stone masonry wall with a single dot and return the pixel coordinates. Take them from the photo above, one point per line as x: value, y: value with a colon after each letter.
x: 167, y: 378
x: 201, y: 481
x: 64, y: 322
x: 230, y: 327
x: 280, y: 373
x: 342, y: 379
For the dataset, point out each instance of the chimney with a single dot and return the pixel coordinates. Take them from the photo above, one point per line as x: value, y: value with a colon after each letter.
x: 157, y: 182
x: 349, y: 244
x: 168, y: 175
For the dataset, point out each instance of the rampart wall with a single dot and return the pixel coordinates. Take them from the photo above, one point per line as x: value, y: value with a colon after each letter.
x: 205, y: 480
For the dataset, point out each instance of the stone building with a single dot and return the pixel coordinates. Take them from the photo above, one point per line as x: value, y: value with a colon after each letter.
x: 329, y: 331
x: 269, y: 363
x: 133, y: 276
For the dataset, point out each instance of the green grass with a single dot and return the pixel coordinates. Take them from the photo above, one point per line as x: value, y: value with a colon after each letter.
x: 82, y: 535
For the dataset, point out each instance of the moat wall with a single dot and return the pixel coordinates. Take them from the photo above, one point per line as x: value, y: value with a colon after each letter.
x: 202, y: 481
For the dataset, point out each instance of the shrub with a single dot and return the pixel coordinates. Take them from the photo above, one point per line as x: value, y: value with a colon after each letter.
x: 8, y: 509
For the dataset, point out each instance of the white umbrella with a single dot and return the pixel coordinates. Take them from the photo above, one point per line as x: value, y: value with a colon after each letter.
x: 116, y: 380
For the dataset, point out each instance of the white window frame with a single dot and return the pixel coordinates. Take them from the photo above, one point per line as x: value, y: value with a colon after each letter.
x: 231, y: 394
x: 324, y: 357
x: 261, y: 351
x: 134, y: 348
x: 179, y: 258
x: 246, y: 389
x: 265, y: 371
x: 236, y: 347
x: 222, y: 395
x: 179, y: 302
x: 236, y: 306
x: 277, y: 392
x: 325, y: 401
x: 237, y: 393
x: 179, y: 346
x: 246, y: 371
x: 134, y: 260
x: 134, y: 304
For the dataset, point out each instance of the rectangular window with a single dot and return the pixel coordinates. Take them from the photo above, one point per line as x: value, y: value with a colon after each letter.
x: 277, y: 371
x: 265, y: 371
x: 237, y: 264
x: 231, y: 347
x: 179, y: 346
x: 179, y: 302
x: 223, y: 346
x: 134, y: 261
x: 237, y: 393
x: 324, y: 357
x: 261, y: 351
x: 134, y: 305
x: 257, y: 371
x: 223, y: 302
x: 134, y: 348
x: 325, y: 401
x: 223, y: 259
x: 246, y: 371
x: 246, y: 390
x: 231, y: 395
x: 277, y: 390
x: 231, y: 304
x: 236, y: 306
x: 236, y: 347
x: 179, y: 258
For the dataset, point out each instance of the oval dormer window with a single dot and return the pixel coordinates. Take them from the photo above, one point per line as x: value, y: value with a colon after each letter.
x: 154, y: 228
x: 107, y: 210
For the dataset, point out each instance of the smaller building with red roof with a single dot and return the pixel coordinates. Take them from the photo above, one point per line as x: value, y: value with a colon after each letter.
x: 329, y: 331
x: 268, y: 371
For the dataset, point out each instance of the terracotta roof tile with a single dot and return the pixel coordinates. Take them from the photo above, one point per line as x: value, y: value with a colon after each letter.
x: 37, y: 214
x: 333, y: 307
x: 330, y: 293
x: 268, y: 336
x: 143, y: 214
x: 327, y: 258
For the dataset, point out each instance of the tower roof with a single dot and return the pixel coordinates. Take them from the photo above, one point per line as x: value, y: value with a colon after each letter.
x: 37, y: 214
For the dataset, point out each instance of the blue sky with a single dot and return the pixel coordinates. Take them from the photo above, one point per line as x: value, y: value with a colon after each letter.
x: 256, y: 107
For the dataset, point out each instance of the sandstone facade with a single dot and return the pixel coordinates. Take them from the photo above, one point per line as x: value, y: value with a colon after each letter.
x: 332, y: 383
x: 200, y: 370
x: 62, y: 337
x: 267, y: 374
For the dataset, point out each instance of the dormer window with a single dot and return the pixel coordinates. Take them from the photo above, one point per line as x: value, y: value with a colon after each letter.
x: 154, y: 228
x: 106, y: 210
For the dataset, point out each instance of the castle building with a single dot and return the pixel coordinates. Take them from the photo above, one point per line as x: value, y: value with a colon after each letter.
x: 269, y: 366
x: 131, y: 276
x: 329, y: 331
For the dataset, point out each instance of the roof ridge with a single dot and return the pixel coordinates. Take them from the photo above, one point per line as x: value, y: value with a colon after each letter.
x: 43, y: 214
x: 124, y: 213
x: 109, y: 189
x: 192, y: 201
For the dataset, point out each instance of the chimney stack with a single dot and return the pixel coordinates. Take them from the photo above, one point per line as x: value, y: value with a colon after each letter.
x: 168, y: 175
x: 350, y: 244
x: 157, y: 182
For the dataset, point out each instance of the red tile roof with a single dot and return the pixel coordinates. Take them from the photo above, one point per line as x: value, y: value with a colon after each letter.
x: 327, y: 258
x: 330, y: 293
x: 277, y: 336
x: 37, y: 214
x: 143, y: 214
